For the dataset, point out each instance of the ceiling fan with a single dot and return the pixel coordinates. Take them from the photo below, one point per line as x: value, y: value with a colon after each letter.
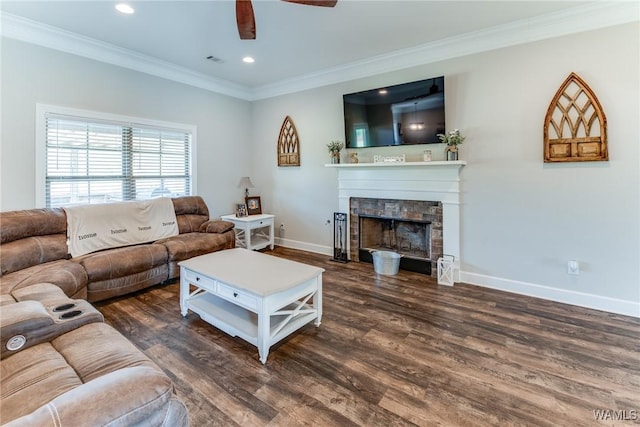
x: 246, y: 20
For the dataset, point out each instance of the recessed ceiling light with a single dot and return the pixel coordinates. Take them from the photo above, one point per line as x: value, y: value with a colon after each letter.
x: 248, y: 60
x: 382, y: 91
x: 124, y: 8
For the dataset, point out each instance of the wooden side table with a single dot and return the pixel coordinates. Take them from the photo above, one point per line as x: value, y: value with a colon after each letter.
x: 253, y: 231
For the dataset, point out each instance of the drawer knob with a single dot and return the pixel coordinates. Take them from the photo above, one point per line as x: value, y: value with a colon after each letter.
x: 197, y: 279
x: 235, y: 294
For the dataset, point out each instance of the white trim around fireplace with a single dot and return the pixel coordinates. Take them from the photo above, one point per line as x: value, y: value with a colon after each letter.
x: 425, y: 181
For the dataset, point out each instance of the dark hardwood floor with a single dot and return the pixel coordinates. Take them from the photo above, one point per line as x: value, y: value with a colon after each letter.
x: 398, y: 350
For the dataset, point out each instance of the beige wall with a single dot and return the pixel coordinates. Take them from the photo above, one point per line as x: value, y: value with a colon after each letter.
x: 33, y: 74
x: 522, y: 220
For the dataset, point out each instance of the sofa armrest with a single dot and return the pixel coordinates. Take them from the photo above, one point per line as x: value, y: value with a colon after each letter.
x: 216, y: 226
x: 27, y: 323
x: 23, y: 319
x: 138, y: 395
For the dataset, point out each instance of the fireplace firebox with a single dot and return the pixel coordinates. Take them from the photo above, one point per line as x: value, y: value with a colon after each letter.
x: 408, y: 227
x: 411, y: 239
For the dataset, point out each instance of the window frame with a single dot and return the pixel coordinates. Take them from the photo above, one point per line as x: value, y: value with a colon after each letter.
x: 42, y: 110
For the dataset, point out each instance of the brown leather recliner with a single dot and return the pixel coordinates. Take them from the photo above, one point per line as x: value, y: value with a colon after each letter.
x: 33, y: 249
x: 61, y: 365
x: 198, y: 234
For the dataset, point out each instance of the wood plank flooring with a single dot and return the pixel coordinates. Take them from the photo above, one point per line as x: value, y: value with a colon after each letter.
x: 398, y: 350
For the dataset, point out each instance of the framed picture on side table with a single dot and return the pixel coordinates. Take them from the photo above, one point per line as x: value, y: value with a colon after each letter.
x: 241, y: 210
x: 254, y: 207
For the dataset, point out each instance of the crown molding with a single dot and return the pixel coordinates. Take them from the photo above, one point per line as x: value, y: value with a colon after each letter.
x: 574, y: 20
x: 33, y: 32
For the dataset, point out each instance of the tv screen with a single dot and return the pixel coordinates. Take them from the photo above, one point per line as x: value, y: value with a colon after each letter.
x: 404, y: 114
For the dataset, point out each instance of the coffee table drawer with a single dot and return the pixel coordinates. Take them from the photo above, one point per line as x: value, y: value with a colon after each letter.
x: 238, y: 297
x: 199, y: 279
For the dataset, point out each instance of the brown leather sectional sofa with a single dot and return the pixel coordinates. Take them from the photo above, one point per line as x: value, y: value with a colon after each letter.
x: 34, y: 250
x: 60, y: 363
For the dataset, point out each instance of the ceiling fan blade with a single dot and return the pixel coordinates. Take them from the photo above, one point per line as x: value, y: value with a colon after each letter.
x: 323, y: 3
x: 245, y: 20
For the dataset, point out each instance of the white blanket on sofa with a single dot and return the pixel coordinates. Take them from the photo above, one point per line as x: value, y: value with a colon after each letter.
x: 92, y: 228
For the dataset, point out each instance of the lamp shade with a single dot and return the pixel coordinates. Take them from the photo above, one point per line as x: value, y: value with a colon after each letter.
x: 245, y: 182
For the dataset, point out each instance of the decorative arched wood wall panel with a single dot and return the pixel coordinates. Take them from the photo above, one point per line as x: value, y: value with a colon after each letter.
x: 575, y: 127
x: 288, y: 144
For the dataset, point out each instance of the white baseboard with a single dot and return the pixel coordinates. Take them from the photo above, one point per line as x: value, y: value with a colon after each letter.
x: 304, y: 246
x: 597, y: 302
x: 581, y: 299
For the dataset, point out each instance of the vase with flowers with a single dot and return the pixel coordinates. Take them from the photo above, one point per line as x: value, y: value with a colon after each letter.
x: 452, y: 139
x: 334, y: 150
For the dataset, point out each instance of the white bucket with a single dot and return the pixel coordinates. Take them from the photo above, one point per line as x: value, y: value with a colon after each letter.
x: 386, y: 262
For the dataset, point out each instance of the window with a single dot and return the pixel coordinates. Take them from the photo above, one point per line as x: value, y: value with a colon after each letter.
x: 361, y: 135
x: 94, y: 158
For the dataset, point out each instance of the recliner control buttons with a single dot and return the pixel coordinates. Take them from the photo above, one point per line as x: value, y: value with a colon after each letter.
x: 16, y: 342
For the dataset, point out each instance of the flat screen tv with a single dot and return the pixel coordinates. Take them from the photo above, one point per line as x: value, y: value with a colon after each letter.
x: 404, y: 114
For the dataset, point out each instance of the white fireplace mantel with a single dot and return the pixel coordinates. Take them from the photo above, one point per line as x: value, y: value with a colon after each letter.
x: 448, y: 164
x: 427, y: 181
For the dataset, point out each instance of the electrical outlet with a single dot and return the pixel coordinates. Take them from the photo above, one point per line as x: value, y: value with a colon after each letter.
x: 573, y: 267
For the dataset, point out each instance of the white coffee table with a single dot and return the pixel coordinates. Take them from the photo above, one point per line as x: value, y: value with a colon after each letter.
x: 257, y: 297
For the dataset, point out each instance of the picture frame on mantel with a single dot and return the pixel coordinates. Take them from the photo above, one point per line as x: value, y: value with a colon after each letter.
x: 254, y: 206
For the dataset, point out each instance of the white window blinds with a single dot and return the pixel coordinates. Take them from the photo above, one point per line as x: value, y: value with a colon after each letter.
x: 90, y: 161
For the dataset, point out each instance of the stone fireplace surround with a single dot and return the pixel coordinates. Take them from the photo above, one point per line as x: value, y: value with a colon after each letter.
x: 437, y: 181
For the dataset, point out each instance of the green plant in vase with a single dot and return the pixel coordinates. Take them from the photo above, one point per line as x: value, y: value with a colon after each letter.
x: 452, y: 138
x: 334, y: 150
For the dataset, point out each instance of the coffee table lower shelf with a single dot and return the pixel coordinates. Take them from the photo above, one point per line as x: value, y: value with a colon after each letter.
x: 238, y: 321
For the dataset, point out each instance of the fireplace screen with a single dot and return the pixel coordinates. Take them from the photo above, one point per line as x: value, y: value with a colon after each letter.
x: 409, y: 238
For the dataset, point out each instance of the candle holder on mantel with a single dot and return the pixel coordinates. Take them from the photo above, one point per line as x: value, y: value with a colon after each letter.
x: 340, y: 234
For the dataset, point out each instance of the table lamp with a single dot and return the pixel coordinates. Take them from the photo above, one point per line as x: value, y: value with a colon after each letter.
x: 245, y: 182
